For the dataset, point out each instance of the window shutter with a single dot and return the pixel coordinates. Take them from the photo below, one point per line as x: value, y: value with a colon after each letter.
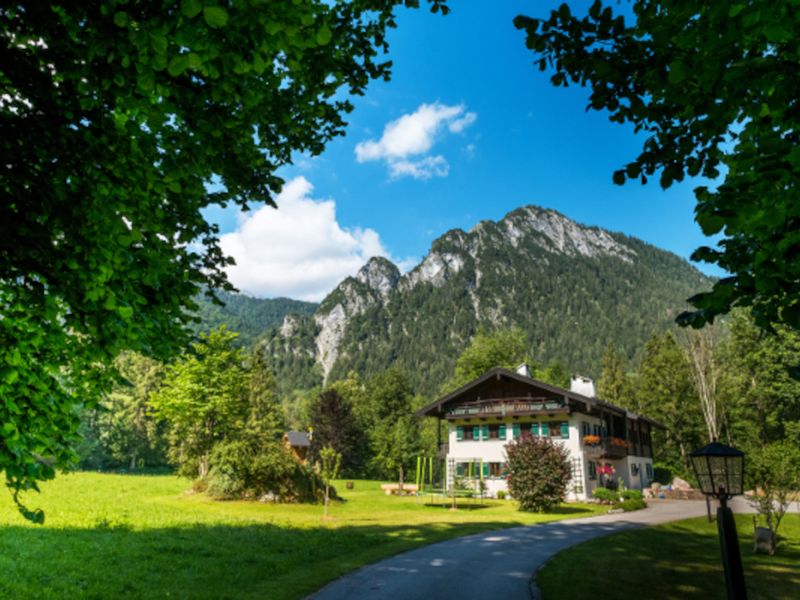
x: 476, y: 433
x: 565, y: 429
x: 592, y: 470
x: 545, y: 429
x: 515, y: 431
x: 501, y: 432
x: 485, y: 470
x: 535, y: 429
x: 484, y: 432
x: 459, y: 433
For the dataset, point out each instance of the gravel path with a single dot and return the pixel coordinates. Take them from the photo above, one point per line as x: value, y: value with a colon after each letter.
x: 496, y: 564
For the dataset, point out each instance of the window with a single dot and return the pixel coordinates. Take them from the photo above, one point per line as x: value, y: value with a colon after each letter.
x: 535, y: 429
x: 496, y: 470
x: 556, y: 429
x: 649, y: 470
x: 545, y: 430
x: 596, y: 430
x: 459, y: 433
x: 586, y: 428
x: 592, y: 470
x: 497, y: 432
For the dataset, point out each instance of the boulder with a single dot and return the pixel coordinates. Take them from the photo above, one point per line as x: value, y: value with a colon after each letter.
x: 681, y: 484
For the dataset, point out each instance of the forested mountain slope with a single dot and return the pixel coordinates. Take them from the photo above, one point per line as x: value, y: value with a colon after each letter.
x: 571, y: 288
x: 250, y: 317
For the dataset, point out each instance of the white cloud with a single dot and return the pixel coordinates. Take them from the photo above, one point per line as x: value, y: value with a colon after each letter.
x: 413, y: 135
x: 298, y: 250
x: 425, y: 168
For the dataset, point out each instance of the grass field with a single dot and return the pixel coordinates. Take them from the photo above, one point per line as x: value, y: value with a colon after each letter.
x: 108, y: 536
x: 678, y: 561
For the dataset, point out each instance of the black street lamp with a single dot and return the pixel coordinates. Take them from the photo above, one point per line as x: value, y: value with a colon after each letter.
x: 720, y: 473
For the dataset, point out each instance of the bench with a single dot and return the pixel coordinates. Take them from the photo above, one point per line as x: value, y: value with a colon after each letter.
x: 394, y: 489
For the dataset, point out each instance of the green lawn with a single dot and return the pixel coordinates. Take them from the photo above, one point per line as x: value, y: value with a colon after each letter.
x: 674, y: 561
x: 144, y: 537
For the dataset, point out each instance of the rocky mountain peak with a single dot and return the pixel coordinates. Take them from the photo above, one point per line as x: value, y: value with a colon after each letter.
x: 379, y: 274
x: 557, y: 233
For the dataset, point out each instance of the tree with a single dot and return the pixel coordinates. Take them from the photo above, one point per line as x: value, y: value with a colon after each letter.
x: 613, y: 384
x: 502, y: 348
x: 712, y: 85
x: 204, y: 399
x: 394, y: 433
x: 334, y: 426
x: 330, y: 461
x: 555, y: 373
x: 665, y: 393
x: 773, y: 472
x: 702, y: 354
x: 123, y: 428
x: 538, y: 473
x: 265, y: 419
x: 114, y: 118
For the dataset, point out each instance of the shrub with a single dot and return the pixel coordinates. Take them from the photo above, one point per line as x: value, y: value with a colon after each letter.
x: 631, y: 495
x: 662, y: 474
x: 631, y: 505
x: 538, y: 473
x: 605, y: 495
x: 501, y: 494
x: 242, y: 469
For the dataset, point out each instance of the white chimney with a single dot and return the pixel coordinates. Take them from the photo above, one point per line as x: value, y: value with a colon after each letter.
x: 524, y: 370
x: 582, y: 385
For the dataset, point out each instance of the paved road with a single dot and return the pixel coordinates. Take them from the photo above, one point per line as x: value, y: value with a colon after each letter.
x: 496, y: 564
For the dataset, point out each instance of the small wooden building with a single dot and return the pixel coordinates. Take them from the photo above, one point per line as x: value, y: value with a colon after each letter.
x: 297, y: 442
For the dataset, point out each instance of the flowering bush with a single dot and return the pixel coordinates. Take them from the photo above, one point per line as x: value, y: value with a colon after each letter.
x: 538, y: 473
x: 591, y: 440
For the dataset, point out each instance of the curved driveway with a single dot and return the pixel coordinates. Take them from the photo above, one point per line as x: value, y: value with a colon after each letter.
x: 495, y: 564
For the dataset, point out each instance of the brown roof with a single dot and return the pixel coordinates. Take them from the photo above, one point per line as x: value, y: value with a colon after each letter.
x: 435, y: 408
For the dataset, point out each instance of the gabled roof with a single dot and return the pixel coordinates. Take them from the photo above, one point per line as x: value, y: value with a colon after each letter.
x: 297, y: 439
x: 435, y: 408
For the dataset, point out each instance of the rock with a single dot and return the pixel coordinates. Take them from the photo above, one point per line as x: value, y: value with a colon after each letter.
x: 656, y: 486
x: 681, y: 484
x: 764, y: 540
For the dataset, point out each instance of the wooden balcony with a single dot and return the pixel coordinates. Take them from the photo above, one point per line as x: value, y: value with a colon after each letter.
x: 609, y: 448
x: 507, y: 407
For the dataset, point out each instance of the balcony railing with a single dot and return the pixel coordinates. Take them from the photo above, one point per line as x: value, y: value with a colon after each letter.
x: 508, y: 406
x: 608, y: 447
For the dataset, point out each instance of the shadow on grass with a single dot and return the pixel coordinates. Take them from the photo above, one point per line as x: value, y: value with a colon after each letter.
x: 678, y: 561
x: 223, y: 561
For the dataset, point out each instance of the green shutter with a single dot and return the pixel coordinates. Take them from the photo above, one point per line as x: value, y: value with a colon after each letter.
x: 459, y: 433
x: 535, y: 429
x: 592, y: 470
x: 564, y: 429
x: 484, y: 432
x: 485, y: 470
x: 476, y: 433
x: 545, y: 429
x: 502, y: 432
x: 515, y: 431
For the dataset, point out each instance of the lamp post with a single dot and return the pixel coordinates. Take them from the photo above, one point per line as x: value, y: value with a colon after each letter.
x: 720, y: 473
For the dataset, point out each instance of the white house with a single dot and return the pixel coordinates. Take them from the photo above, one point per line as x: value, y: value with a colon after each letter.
x: 606, y: 443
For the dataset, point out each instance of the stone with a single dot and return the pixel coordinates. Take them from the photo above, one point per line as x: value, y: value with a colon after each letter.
x: 681, y: 484
x: 764, y: 540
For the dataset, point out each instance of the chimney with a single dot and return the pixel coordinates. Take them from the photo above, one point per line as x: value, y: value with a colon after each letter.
x: 582, y: 385
x: 524, y: 370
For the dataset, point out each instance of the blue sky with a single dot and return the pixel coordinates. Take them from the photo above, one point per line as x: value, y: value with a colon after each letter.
x: 484, y: 133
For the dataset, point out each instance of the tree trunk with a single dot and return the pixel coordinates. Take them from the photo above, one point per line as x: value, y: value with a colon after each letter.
x: 401, y: 476
x: 202, y: 467
x: 325, y: 513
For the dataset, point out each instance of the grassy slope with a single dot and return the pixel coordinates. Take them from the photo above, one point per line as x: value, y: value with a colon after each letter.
x: 674, y: 561
x: 144, y: 537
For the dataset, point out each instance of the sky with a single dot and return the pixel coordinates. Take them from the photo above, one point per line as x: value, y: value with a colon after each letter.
x: 468, y: 129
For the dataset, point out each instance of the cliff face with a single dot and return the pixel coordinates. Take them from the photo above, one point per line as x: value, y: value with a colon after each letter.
x: 570, y: 287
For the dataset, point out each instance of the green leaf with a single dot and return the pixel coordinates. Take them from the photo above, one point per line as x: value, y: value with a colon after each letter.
x: 324, y: 36
x: 215, y: 16
x: 191, y: 8
x: 736, y: 9
x: 121, y: 19
x: 177, y: 65
x: 677, y: 72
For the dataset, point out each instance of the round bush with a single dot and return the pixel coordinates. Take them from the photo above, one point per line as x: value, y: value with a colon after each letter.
x: 538, y: 473
x: 605, y: 495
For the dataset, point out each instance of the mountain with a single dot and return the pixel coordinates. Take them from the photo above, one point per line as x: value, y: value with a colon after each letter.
x: 571, y: 288
x: 250, y: 317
